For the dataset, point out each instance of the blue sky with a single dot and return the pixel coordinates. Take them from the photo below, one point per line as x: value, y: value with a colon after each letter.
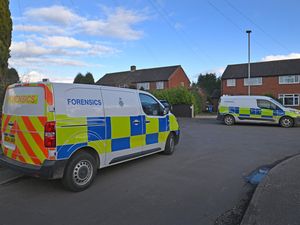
x: 59, y: 38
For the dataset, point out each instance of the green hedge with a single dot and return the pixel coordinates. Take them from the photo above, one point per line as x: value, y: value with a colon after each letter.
x: 180, y: 96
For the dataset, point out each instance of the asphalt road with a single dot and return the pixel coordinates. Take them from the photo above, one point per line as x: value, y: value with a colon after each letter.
x: 198, y: 183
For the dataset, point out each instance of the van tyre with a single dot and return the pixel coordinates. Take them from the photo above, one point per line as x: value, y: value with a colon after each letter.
x: 80, y: 172
x: 229, y: 120
x: 286, y: 122
x: 170, y: 144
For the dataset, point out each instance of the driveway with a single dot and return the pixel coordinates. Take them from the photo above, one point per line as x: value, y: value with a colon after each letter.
x: 202, y: 180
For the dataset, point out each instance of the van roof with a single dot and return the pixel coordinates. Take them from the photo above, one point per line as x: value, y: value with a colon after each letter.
x: 81, y: 85
x: 246, y: 96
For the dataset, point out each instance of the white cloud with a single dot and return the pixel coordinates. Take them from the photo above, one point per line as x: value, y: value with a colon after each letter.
x: 46, y: 51
x: 32, y: 76
x: 54, y: 14
x: 98, y: 49
x: 117, y: 22
x: 52, y: 41
x: 40, y: 29
x: 30, y: 62
x: 178, y: 26
x: 27, y: 48
x: 35, y: 76
x: 65, y: 42
x: 281, y: 57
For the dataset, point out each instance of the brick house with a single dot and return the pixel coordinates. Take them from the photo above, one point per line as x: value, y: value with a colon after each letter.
x: 147, y: 79
x: 280, y: 79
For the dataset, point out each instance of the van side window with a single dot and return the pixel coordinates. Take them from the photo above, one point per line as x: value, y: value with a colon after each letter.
x: 150, y: 106
x: 265, y: 104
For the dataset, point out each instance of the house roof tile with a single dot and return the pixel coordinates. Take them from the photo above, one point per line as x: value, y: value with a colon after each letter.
x: 137, y: 76
x: 263, y: 69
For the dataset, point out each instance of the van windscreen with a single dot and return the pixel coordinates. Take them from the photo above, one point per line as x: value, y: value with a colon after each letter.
x: 24, y: 101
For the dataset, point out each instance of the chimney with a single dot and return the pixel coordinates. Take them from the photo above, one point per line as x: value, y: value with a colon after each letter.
x: 133, y: 68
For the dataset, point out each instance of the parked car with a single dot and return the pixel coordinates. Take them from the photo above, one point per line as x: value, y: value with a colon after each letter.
x: 256, y: 109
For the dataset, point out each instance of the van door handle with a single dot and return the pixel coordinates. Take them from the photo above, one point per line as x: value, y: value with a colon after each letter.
x: 136, y: 122
x: 147, y: 121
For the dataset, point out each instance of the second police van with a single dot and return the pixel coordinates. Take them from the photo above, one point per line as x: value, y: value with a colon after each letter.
x: 256, y: 109
x: 68, y: 131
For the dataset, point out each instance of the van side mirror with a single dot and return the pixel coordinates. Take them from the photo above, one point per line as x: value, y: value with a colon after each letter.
x: 166, y: 111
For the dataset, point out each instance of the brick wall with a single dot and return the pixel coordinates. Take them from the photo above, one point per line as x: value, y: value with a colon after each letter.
x: 153, y: 85
x: 175, y: 80
x: 270, y: 85
x: 177, y: 77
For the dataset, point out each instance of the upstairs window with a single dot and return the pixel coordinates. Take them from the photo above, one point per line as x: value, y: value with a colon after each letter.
x: 230, y: 83
x: 144, y: 86
x: 292, y: 79
x: 254, y: 81
x: 160, y: 85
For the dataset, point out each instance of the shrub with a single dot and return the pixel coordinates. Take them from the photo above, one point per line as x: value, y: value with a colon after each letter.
x: 180, y: 96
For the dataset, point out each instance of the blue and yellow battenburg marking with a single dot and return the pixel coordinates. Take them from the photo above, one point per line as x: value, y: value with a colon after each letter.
x: 110, y: 134
x: 252, y: 112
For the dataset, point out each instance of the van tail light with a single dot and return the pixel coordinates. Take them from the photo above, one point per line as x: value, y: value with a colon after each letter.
x: 50, y: 135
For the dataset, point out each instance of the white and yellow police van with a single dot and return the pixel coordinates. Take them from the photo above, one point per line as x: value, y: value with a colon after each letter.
x: 68, y: 131
x: 256, y: 109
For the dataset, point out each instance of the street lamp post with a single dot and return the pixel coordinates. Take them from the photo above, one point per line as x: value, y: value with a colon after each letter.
x: 249, y: 32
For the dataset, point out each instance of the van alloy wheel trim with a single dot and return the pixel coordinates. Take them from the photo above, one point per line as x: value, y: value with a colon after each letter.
x: 83, y: 172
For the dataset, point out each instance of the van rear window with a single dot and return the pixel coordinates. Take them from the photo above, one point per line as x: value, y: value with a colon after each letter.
x: 24, y: 101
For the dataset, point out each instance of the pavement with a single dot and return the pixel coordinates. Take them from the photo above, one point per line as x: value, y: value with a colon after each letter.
x: 206, y: 116
x: 276, y: 200
x: 201, y: 183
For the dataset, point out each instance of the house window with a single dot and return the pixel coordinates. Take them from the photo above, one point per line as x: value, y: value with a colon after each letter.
x: 145, y: 86
x: 289, y: 99
x: 160, y: 85
x: 254, y: 81
x: 230, y: 83
x: 182, y: 84
x: 292, y: 79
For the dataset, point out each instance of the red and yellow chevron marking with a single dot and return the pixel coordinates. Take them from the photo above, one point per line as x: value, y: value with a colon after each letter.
x: 29, y: 138
x: 28, y: 131
x: 5, y: 123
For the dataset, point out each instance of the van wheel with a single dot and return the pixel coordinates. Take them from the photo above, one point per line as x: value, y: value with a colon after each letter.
x: 286, y: 122
x: 229, y: 120
x: 170, y: 144
x: 80, y: 172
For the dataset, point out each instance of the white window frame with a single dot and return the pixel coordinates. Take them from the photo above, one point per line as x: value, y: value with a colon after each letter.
x: 289, y: 79
x: 231, y: 82
x: 294, y: 96
x: 160, y: 85
x: 254, y: 81
x: 145, y: 85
